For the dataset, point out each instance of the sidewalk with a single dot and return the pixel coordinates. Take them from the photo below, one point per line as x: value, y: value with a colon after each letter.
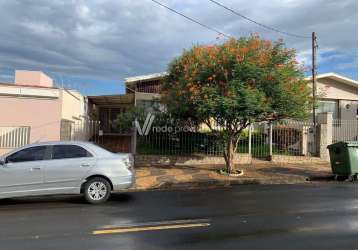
x: 179, y: 177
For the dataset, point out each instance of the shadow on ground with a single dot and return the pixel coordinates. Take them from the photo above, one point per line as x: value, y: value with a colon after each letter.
x: 69, y: 199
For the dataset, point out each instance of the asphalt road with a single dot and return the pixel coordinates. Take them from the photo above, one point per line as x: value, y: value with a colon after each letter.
x: 244, y: 217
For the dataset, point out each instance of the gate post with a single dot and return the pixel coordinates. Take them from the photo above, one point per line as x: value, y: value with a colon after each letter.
x: 250, y: 138
x: 134, y: 140
x: 324, y: 135
x: 270, y: 141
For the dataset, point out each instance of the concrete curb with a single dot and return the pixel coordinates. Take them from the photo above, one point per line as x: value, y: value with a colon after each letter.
x: 222, y: 183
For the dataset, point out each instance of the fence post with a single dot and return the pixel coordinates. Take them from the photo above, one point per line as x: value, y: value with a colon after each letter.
x: 324, y: 135
x: 134, y: 140
x: 250, y: 138
x: 270, y: 140
x: 28, y: 135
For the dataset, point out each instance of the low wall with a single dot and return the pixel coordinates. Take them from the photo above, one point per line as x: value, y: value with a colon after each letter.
x: 145, y: 160
x: 142, y: 160
x: 116, y: 143
x: 296, y: 159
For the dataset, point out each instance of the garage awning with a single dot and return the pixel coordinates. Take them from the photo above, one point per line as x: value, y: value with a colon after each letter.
x: 112, y: 99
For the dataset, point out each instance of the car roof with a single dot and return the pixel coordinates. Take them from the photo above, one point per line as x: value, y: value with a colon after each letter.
x: 99, y: 151
x: 59, y: 143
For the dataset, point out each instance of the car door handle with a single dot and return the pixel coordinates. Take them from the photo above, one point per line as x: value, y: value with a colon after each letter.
x: 85, y: 165
x: 35, y: 169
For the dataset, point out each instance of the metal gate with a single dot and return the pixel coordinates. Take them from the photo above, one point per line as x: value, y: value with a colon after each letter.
x: 294, y: 138
x: 344, y: 130
x: 86, y: 130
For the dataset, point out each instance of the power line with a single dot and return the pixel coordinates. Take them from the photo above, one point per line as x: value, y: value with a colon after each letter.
x: 192, y: 20
x: 257, y: 23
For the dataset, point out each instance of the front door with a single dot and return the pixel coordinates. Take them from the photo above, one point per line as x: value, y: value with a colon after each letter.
x: 22, y: 173
x: 67, y: 167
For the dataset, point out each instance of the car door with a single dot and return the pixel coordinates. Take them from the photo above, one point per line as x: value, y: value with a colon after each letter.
x: 22, y: 173
x: 67, y: 167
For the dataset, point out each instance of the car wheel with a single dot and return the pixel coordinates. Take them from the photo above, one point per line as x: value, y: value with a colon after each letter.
x: 97, y: 190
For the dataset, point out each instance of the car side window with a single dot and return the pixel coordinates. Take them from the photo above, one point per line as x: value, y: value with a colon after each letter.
x: 36, y: 153
x: 69, y: 151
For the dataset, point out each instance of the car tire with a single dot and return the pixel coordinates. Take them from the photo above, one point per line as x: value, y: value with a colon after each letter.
x: 97, y: 190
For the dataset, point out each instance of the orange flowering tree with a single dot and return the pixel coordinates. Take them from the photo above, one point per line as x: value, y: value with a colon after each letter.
x: 234, y: 84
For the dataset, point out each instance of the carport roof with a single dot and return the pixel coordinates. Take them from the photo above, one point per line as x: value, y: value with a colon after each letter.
x: 112, y: 99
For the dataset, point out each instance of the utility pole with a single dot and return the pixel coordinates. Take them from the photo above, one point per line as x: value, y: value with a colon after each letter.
x: 314, y: 67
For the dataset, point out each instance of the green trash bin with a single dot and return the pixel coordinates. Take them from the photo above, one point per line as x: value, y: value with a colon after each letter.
x: 344, y: 158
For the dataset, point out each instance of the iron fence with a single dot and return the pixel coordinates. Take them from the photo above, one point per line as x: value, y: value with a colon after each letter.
x: 344, y: 130
x: 261, y: 140
x: 288, y: 137
x: 294, y: 138
x: 185, y: 143
x: 14, y: 137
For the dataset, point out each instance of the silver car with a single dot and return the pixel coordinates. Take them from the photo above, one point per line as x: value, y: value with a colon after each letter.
x: 65, y: 168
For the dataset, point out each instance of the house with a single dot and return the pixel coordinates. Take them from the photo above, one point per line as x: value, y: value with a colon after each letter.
x: 337, y: 94
x: 146, y: 89
x: 142, y: 91
x: 32, y: 109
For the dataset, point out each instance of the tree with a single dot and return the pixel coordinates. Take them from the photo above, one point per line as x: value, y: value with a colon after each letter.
x: 124, y: 121
x: 234, y: 84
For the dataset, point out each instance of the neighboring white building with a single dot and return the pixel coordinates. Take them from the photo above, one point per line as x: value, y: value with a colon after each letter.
x: 337, y: 94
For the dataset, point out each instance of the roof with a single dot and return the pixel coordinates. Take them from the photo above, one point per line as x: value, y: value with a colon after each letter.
x: 26, y: 86
x: 336, y: 77
x: 154, y: 76
x: 112, y: 99
x: 13, y: 89
x: 28, y: 91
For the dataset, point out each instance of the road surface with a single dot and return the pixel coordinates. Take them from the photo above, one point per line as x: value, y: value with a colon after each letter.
x: 323, y: 216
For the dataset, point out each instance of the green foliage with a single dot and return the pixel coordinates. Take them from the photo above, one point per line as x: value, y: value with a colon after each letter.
x: 126, y: 119
x: 237, y: 83
x: 234, y: 84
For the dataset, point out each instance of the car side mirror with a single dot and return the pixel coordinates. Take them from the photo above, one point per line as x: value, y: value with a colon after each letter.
x: 2, y: 162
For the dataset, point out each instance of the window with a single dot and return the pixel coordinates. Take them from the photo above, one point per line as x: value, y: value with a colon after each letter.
x: 152, y: 86
x: 69, y: 151
x: 328, y: 106
x: 28, y: 154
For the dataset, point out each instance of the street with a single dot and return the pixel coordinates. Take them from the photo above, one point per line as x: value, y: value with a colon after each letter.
x: 311, y: 216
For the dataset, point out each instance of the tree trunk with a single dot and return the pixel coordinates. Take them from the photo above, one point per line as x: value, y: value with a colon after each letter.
x: 229, y: 155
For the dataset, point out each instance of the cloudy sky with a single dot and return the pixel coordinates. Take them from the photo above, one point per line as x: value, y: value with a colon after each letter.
x: 92, y: 45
